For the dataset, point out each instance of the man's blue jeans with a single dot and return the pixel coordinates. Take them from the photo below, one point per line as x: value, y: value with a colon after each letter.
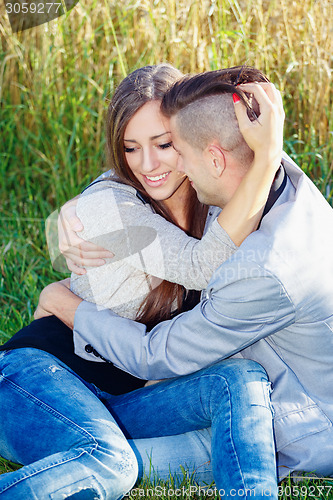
x: 71, y: 437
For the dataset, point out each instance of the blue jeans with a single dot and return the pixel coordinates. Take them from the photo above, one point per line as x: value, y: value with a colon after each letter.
x: 78, y: 442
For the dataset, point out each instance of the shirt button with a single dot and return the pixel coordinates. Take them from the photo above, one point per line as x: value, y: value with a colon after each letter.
x: 89, y: 348
x: 95, y: 353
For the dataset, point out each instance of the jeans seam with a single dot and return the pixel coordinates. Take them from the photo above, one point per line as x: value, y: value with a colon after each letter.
x: 161, y: 390
x: 49, y: 466
x: 230, y: 432
x: 48, y: 409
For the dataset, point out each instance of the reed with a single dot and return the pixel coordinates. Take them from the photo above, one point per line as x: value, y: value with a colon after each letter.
x: 54, y: 79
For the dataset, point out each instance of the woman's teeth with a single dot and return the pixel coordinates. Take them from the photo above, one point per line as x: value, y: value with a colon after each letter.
x: 157, y: 178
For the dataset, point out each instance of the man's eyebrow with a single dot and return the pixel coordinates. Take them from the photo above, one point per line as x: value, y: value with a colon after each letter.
x: 151, y: 138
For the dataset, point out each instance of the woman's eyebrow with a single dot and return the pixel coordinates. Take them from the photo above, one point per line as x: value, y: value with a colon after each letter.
x: 151, y: 138
x: 160, y: 135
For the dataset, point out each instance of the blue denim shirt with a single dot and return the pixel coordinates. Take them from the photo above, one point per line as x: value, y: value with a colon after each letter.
x: 272, y: 302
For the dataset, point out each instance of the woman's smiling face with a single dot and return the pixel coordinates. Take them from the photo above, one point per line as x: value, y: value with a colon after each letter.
x: 150, y: 154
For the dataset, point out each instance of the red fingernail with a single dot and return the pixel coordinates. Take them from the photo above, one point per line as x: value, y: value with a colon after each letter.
x: 235, y: 98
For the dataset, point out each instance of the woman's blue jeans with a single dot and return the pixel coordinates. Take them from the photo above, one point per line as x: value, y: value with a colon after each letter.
x: 80, y: 443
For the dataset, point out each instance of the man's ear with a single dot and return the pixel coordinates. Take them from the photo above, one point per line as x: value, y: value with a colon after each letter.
x: 215, y: 158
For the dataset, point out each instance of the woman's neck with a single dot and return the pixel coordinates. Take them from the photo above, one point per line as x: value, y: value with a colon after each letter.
x: 177, y: 205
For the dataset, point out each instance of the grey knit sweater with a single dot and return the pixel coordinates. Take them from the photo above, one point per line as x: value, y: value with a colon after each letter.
x: 147, y: 249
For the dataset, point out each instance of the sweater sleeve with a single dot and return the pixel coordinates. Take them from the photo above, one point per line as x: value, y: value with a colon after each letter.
x: 115, y: 218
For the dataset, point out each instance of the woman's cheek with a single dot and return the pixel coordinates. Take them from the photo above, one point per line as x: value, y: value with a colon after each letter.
x: 173, y: 157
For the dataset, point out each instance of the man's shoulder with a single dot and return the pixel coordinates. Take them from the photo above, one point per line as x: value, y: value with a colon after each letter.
x: 300, y: 216
x: 294, y: 245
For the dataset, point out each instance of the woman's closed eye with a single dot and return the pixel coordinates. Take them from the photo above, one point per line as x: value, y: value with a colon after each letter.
x: 166, y: 145
x: 129, y: 150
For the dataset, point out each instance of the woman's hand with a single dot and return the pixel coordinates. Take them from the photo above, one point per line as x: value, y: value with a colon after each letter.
x: 57, y: 299
x: 78, y: 252
x: 264, y: 135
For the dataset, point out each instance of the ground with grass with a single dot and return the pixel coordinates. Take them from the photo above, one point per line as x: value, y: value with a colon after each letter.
x: 55, y: 81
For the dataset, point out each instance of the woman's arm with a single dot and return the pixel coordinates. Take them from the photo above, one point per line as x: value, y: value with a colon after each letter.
x: 265, y: 137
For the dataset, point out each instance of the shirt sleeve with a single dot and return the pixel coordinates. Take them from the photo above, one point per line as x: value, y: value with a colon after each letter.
x: 116, y: 219
x: 243, y: 305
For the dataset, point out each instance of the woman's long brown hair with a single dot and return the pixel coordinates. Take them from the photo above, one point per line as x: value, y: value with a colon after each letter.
x: 144, y: 85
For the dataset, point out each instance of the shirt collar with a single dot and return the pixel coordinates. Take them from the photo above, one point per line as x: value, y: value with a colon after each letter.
x: 279, y: 183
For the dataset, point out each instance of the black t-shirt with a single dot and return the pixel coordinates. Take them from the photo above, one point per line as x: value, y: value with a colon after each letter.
x: 53, y: 336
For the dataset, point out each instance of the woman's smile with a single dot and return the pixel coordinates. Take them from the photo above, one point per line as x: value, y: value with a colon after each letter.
x: 156, y: 180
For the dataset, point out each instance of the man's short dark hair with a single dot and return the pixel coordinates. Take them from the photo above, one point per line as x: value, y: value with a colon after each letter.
x: 191, y: 88
x: 204, y: 110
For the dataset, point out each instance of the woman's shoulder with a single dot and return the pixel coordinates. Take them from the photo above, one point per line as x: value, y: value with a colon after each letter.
x: 110, y: 181
x: 111, y: 188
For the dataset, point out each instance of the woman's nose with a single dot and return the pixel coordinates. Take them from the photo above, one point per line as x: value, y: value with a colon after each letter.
x: 150, y: 160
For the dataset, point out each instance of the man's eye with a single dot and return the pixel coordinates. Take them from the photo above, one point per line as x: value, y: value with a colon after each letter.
x: 166, y: 145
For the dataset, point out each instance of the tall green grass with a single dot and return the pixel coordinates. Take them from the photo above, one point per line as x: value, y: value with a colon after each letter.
x: 55, y: 81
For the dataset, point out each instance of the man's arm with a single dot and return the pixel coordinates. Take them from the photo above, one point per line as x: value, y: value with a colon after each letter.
x: 245, y: 304
x: 57, y: 299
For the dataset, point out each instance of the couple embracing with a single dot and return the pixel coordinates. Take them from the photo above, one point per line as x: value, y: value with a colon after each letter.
x: 217, y: 283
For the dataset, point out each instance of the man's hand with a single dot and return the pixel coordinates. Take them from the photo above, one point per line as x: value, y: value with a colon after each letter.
x: 57, y: 299
x: 78, y: 252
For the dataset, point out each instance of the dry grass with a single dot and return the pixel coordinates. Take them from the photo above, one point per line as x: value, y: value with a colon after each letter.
x: 291, y: 41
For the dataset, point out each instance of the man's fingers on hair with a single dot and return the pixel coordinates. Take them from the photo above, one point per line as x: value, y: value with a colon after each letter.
x: 241, y: 115
x: 263, y: 90
x: 280, y: 101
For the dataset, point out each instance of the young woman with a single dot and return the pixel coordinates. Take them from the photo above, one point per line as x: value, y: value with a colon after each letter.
x: 61, y: 416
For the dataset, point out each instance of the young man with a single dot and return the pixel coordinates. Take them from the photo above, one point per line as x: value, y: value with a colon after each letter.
x: 271, y: 302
